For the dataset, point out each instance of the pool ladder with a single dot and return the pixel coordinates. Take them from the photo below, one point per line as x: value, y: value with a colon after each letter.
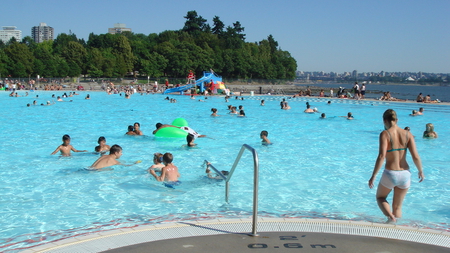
x: 255, y: 181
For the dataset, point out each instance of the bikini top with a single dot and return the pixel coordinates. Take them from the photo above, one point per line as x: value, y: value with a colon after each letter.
x: 397, y: 149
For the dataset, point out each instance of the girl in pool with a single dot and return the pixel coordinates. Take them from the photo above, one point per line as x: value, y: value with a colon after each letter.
x: 157, y: 162
x: 394, y: 143
x: 429, y: 131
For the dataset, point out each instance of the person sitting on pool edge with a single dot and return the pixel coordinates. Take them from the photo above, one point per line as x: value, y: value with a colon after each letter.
x: 169, y: 173
x: 429, y: 131
x: 65, y: 147
x: 102, y: 147
x: 265, y: 140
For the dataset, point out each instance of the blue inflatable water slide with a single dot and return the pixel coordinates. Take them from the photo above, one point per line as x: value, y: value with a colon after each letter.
x: 199, y: 83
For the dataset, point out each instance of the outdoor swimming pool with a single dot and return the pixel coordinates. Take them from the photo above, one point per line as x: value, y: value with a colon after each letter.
x: 315, y: 168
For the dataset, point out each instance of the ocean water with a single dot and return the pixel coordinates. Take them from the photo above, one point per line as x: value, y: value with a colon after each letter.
x: 315, y: 168
x: 408, y: 92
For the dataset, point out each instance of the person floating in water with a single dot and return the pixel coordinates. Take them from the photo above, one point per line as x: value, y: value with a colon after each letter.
x: 394, y: 143
x: 65, y: 147
x: 429, y: 131
x: 265, y: 140
x: 169, y: 173
x: 102, y: 147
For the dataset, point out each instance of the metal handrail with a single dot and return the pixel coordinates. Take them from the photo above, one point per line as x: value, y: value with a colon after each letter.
x: 255, y: 183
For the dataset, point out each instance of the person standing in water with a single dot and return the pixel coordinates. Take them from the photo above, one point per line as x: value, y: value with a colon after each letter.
x: 394, y: 143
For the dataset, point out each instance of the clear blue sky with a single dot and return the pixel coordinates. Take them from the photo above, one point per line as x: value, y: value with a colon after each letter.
x: 322, y: 35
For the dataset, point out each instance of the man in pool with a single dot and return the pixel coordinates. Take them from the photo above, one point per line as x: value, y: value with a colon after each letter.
x: 169, y: 173
x: 137, y: 129
x: 115, y: 152
x: 65, y: 147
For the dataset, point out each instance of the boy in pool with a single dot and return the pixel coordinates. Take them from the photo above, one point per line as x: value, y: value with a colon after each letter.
x: 265, y: 140
x: 157, y: 162
x: 169, y: 173
x: 65, y: 147
x: 115, y: 152
x: 102, y: 147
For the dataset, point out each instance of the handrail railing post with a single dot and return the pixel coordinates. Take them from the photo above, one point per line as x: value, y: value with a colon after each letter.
x: 255, y: 183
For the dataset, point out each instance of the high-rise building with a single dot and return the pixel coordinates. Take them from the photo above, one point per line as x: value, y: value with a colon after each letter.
x: 118, y: 28
x: 8, y: 32
x: 42, y: 33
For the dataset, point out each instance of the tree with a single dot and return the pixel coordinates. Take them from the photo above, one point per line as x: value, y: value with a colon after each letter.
x: 194, y: 23
x: 124, y: 56
x: 218, y: 26
x: 21, y: 59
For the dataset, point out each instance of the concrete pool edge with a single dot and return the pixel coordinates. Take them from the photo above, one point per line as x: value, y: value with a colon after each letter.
x: 107, y: 240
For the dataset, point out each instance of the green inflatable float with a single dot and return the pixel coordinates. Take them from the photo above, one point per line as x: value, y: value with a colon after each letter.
x: 173, y: 132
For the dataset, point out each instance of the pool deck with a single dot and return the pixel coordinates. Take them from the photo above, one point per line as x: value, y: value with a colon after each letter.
x: 274, y: 235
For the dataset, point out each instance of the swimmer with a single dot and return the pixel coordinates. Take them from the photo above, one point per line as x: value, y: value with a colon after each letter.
x: 190, y: 140
x: 59, y: 99
x: 233, y: 110
x: 394, y: 143
x: 169, y: 173
x: 157, y: 162
x: 414, y: 113
x: 160, y: 125
x: 322, y: 116
x: 130, y: 130
x: 420, y: 112
x: 87, y: 97
x: 137, y: 129
x: 429, y: 131
x: 329, y: 103
x: 265, y: 140
x: 308, y: 109
x: 214, y: 112
x: 349, y: 116
x: 241, y: 113
x: 262, y: 102
x: 102, y: 147
x: 215, y: 175
x: 108, y: 160
x: 65, y: 147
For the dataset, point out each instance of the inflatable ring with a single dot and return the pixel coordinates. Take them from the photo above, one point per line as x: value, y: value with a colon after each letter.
x: 173, y: 132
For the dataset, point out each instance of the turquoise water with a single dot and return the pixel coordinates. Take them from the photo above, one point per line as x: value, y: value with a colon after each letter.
x: 315, y: 168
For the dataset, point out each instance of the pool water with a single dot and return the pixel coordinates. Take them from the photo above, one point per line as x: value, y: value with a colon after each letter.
x: 316, y: 168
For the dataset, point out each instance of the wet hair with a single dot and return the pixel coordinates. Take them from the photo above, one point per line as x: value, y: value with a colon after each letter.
x: 322, y: 115
x: 136, y: 123
x: 130, y: 128
x: 213, y: 109
x: 189, y: 139
x: 158, y: 125
x: 167, y: 157
x: 349, y: 114
x: 66, y: 137
x: 28, y: 105
x: 242, y: 113
x: 100, y: 139
x: 264, y: 133
x: 114, y: 149
x: 407, y: 128
x: 308, y: 106
x: 240, y: 107
x: 158, y: 156
x: 389, y: 115
x: 414, y: 111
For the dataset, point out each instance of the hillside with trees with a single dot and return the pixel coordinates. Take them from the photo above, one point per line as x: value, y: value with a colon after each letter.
x: 198, y: 46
